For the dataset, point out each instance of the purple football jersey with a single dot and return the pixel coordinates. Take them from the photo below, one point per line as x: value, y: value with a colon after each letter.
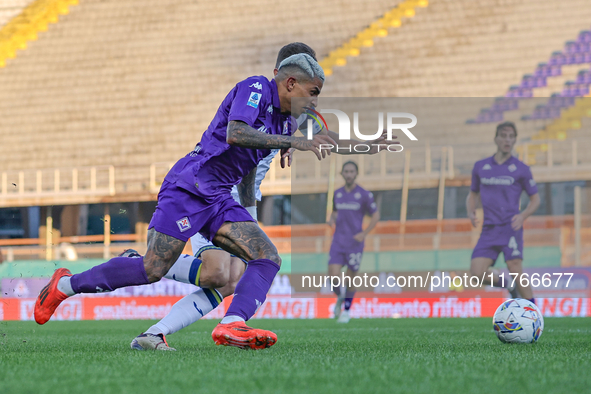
x: 351, y: 207
x: 500, y: 187
x: 214, y: 166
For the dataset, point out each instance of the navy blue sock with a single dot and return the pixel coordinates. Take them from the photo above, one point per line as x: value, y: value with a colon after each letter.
x: 349, y: 299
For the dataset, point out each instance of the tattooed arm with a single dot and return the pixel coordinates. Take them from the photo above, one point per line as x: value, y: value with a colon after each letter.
x: 246, y: 189
x: 240, y: 134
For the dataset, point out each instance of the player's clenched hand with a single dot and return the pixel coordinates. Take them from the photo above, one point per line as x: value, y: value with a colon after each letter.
x: 286, y: 154
x: 517, y: 222
x: 320, y: 145
x: 359, y: 237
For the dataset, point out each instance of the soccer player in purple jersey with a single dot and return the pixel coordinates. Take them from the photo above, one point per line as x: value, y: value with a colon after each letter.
x: 350, y: 204
x: 255, y: 117
x: 498, y: 182
x: 214, y: 270
x: 211, y: 268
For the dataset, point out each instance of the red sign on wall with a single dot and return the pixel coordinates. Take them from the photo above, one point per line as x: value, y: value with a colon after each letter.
x: 286, y: 307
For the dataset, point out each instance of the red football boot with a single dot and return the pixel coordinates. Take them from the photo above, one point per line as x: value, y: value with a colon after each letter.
x: 238, y: 334
x: 50, y: 297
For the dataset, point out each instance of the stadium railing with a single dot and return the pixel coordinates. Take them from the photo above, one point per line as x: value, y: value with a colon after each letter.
x: 388, y: 236
x: 551, y: 161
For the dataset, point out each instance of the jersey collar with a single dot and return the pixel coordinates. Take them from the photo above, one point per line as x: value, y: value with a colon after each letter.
x: 505, y: 163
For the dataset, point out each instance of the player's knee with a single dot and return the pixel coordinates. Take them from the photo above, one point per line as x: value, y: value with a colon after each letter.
x: 514, y: 265
x: 475, y: 271
x: 215, y: 279
x: 215, y: 272
x: 156, y: 268
x: 269, y: 252
x: 274, y: 257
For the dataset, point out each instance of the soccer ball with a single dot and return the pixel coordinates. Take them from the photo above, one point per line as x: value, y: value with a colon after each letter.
x: 518, y: 321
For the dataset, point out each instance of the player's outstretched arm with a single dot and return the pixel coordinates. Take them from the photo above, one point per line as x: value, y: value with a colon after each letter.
x: 241, y: 134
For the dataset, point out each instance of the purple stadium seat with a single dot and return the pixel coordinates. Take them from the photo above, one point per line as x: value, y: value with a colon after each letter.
x: 571, y: 47
x: 573, y: 89
x: 488, y: 116
x: 503, y: 104
x: 544, y: 112
x: 543, y: 70
x: 557, y: 59
x: 584, y: 36
x: 540, y: 82
x: 584, y: 76
x: 525, y: 93
x: 527, y: 81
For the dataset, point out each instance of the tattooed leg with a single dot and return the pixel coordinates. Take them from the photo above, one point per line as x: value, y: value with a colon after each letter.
x: 163, y: 251
x: 122, y: 271
x: 246, y: 240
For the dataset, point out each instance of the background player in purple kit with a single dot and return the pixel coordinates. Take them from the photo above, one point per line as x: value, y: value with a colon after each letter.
x: 498, y: 182
x: 255, y: 116
x: 350, y: 204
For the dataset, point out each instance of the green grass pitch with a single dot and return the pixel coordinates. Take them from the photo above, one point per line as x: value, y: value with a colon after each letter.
x: 311, y: 356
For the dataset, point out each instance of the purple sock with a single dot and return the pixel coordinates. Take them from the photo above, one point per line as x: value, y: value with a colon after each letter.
x: 115, y: 273
x: 349, y: 299
x: 251, y: 291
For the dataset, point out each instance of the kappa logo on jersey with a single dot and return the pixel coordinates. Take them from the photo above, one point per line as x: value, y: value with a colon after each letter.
x: 532, y: 183
x: 270, y: 109
x: 286, y: 127
x: 263, y: 129
x: 512, y: 168
x: 256, y: 85
x: 487, y: 167
x: 183, y: 224
x: 254, y: 99
x: 357, y: 196
x: 339, y: 195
